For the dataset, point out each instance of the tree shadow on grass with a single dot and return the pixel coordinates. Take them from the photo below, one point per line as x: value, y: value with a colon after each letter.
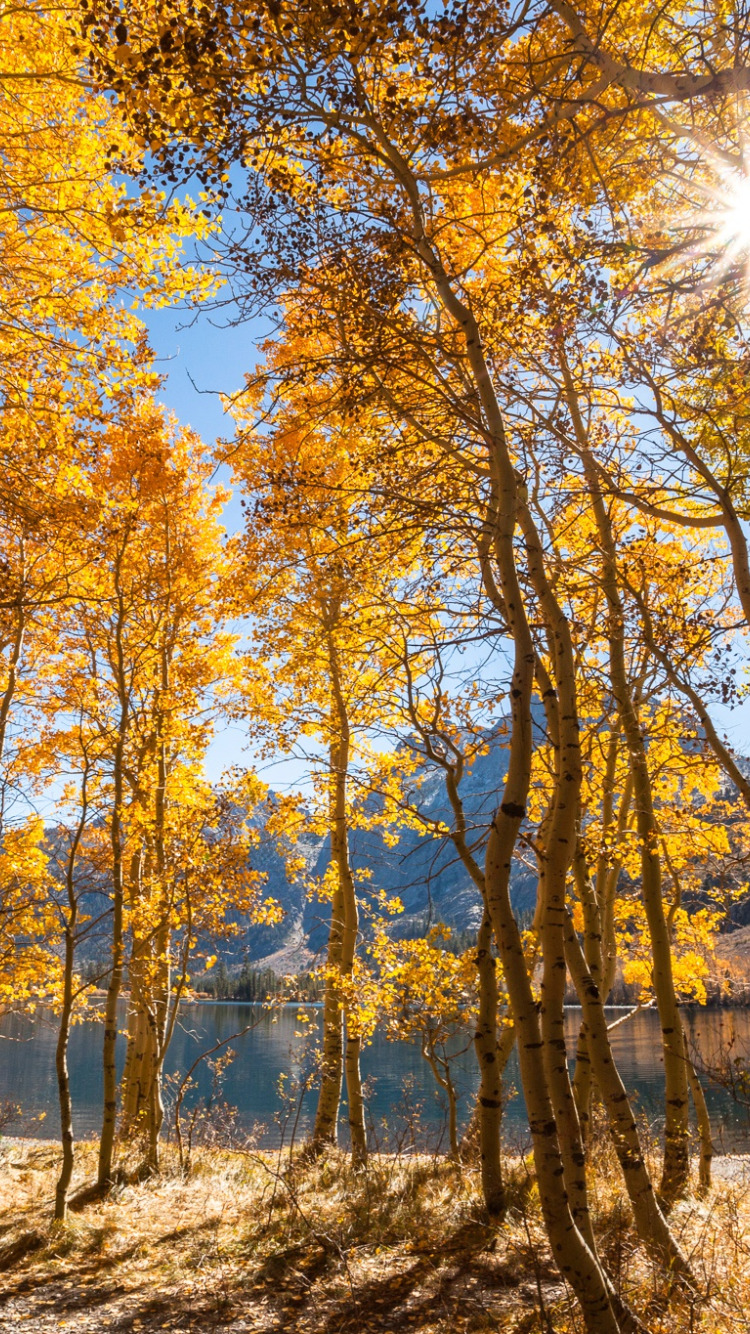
x: 440, y: 1283
x: 299, y: 1264
x: 442, y: 1279
x: 82, y: 1270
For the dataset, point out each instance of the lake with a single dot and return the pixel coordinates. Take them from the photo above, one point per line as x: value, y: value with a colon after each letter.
x: 273, y: 1061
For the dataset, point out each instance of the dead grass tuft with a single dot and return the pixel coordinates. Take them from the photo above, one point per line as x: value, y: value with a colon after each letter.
x: 248, y: 1242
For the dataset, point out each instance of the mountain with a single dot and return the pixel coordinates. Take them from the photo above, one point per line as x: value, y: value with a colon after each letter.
x: 424, y: 872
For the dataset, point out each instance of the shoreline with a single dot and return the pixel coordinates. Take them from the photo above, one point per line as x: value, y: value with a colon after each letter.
x: 729, y: 1166
x: 689, y: 1007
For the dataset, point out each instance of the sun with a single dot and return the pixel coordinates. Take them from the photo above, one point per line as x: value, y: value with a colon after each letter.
x: 724, y: 224
x: 731, y: 218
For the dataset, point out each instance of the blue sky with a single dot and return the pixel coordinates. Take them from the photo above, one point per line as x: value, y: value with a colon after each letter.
x: 204, y: 359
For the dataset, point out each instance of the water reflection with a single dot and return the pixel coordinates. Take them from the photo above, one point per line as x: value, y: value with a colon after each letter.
x: 275, y: 1060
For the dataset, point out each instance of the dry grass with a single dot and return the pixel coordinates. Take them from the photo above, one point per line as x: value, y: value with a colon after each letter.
x: 246, y: 1244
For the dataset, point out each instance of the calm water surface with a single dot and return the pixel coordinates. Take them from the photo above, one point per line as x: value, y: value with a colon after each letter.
x: 265, y: 1080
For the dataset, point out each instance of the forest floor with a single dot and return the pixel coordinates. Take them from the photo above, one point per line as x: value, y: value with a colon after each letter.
x: 247, y: 1242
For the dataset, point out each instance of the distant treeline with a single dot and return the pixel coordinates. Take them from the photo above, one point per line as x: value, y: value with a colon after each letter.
x: 259, y: 984
x: 256, y: 984
x: 242, y: 984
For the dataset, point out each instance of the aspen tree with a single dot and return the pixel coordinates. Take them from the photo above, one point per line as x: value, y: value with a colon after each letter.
x: 656, y: 568
x: 142, y: 651
x: 439, y: 739
x: 421, y: 989
x: 319, y: 579
x: 71, y: 914
x: 341, y: 1041
x: 676, y: 1156
x: 74, y: 241
x: 409, y: 122
x: 176, y: 653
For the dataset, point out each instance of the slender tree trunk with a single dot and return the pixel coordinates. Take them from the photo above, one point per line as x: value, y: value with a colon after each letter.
x: 339, y: 1055
x: 131, y: 1082
x: 557, y: 839
x: 161, y: 1028
x: 651, y: 1224
x: 676, y: 1170
x: 150, y: 963
x: 142, y: 1103
x: 675, y: 1175
x: 109, y: 1065
x: 109, y: 1121
x: 450, y: 1090
x: 578, y: 1264
x: 135, y: 1074
x: 354, y: 1096
x: 355, y: 1100
x: 340, y: 854
x: 63, y: 1078
x: 127, y: 1071
x: 325, y: 1127
x: 582, y: 1080
x: 61, y: 1052
x: 583, y: 1083
x: 600, y: 945
x: 491, y: 1066
x: 706, y: 1153
x: 572, y: 1254
x: 607, y: 895
x: 159, y: 1010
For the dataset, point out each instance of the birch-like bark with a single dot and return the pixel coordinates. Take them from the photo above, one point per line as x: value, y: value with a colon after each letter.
x: 133, y: 1085
x: 66, y: 1011
x: 109, y: 1066
x: 340, y: 1056
x: 159, y: 1009
x: 676, y: 1170
x: 650, y: 1222
x: 706, y: 1154
x: 600, y: 941
x: 592, y: 928
x: 492, y: 1056
x: 150, y: 963
x: 341, y: 859
x: 558, y: 841
x: 109, y: 1120
x: 591, y: 896
x: 325, y: 1127
x: 574, y: 1257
